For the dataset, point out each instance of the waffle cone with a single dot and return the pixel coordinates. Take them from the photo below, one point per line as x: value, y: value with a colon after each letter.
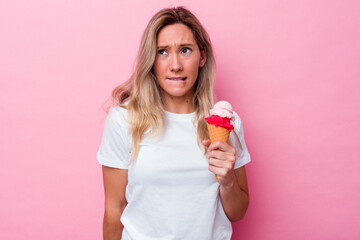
x: 218, y: 133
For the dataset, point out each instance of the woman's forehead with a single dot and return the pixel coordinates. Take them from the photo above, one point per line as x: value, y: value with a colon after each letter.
x: 176, y: 34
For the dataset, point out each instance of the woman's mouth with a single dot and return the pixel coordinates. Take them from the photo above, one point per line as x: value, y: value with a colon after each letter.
x: 177, y: 78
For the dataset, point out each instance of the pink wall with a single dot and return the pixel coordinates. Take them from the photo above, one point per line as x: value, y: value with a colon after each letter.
x: 290, y: 68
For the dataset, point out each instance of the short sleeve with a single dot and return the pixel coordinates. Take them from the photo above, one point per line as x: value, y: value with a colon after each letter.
x: 115, y: 147
x: 242, y: 154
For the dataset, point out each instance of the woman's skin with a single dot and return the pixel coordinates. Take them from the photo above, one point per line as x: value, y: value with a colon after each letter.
x: 176, y: 68
x: 115, y: 182
x: 178, y: 56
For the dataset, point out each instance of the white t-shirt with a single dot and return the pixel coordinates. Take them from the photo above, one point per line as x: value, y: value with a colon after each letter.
x: 171, y: 194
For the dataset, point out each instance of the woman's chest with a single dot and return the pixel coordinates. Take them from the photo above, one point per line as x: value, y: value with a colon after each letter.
x: 174, y: 158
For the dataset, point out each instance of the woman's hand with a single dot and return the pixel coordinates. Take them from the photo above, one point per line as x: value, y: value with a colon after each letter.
x: 234, y: 192
x: 221, y: 157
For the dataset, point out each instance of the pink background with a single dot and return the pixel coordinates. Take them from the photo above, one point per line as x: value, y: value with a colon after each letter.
x: 290, y: 68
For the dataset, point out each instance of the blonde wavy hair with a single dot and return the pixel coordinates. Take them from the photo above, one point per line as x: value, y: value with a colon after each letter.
x: 141, y: 92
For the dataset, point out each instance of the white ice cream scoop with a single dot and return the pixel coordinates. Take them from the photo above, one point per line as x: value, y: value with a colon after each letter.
x: 223, y: 109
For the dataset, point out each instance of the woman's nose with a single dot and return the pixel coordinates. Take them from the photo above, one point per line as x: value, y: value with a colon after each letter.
x: 175, y: 64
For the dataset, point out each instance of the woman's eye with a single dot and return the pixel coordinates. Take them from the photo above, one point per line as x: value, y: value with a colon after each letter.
x: 162, y: 52
x: 186, y: 50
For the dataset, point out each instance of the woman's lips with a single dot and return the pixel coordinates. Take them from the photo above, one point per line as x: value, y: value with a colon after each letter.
x: 177, y: 78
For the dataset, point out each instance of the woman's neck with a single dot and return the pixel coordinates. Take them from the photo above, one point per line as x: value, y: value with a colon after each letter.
x: 179, y: 105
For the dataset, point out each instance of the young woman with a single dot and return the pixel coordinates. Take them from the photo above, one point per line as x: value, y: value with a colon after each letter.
x: 158, y: 165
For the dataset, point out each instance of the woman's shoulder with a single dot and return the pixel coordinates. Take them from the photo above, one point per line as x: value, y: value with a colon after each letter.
x: 118, y: 115
x: 118, y: 109
x: 237, y: 121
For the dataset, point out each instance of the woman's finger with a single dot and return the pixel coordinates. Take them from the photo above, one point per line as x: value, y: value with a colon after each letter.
x: 206, y: 142
x: 221, y: 163
x: 217, y: 171
x: 222, y: 146
x: 225, y: 156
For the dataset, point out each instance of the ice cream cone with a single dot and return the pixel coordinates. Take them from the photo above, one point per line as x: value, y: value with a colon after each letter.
x: 219, y: 123
x: 218, y: 133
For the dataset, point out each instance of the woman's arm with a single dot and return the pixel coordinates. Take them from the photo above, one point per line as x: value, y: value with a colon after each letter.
x: 235, y: 197
x: 115, y: 181
x: 234, y: 192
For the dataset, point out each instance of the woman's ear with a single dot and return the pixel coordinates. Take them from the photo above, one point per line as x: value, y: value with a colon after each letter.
x: 202, y: 57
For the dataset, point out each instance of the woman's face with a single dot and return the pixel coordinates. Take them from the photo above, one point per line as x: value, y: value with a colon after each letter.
x: 177, y: 62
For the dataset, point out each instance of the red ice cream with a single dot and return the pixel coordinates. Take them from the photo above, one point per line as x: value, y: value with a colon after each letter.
x: 220, y: 122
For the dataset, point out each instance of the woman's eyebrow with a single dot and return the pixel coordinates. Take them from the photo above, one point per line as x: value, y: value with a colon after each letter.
x: 181, y: 45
